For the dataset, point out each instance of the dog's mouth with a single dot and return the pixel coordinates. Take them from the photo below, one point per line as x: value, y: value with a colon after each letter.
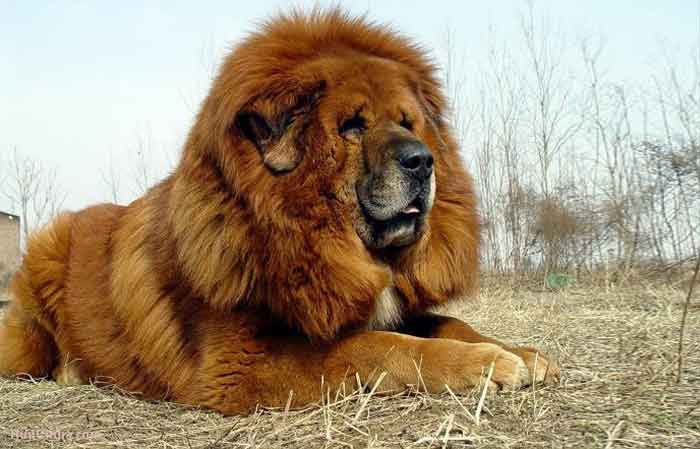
x: 413, y: 208
x: 402, y: 227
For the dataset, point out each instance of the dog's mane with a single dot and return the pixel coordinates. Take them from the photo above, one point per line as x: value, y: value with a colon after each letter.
x: 245, y: 237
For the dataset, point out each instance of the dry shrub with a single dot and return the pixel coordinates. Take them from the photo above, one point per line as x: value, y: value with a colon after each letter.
x: 555, y: 222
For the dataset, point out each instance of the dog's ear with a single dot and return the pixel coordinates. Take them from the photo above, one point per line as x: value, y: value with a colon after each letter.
x: 273, y: 123
x: 279, y: 154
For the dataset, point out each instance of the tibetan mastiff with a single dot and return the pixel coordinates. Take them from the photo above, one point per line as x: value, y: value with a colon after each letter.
x: 318, y: 212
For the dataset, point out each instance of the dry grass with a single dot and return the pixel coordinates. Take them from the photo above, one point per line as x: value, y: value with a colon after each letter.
x: 617, y: 347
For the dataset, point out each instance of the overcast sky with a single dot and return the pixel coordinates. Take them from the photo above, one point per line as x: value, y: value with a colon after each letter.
x: 82, y: 79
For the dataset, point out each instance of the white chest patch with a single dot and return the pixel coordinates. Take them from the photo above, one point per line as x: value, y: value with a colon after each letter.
x: 388, y: 311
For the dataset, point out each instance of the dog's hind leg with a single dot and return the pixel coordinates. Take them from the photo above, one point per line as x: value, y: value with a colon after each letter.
x: 25, y: 346
x: 28, y: 330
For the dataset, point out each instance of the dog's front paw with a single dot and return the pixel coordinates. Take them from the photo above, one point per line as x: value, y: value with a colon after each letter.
x: 541, y: 368
x: 476, y: 363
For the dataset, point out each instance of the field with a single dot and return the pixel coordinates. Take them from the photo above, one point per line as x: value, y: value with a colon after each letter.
x: 617, y: 345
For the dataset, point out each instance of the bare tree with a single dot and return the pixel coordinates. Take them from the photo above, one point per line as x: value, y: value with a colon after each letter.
x: 32, y: 190
x: 148, y: 161
x: 142, y: 169
x: 573, y: 168
x: 552, y: 116
x: 112, y: 180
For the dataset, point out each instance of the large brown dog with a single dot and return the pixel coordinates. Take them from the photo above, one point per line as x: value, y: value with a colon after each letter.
x: 319, y: 210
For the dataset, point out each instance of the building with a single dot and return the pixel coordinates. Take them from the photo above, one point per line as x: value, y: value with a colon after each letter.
x: 10, y: 254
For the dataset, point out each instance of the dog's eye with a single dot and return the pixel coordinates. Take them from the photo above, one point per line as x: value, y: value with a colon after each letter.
x: 406, y: 123
x: 288, y: 121
x: 355, y: 124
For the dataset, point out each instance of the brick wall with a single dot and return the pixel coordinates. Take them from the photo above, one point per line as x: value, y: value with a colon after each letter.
x: 10, y: 255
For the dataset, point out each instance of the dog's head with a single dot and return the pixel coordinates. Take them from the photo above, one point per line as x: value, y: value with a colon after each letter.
x: 331, y: 133
x: 361, y: 130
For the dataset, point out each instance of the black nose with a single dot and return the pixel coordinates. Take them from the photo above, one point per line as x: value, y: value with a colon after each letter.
x: 415, y: 159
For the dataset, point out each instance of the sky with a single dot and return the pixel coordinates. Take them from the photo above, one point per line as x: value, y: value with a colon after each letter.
x: 82, y: 83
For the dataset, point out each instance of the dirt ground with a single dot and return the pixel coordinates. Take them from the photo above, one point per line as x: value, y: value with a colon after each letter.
x: 617, y: 346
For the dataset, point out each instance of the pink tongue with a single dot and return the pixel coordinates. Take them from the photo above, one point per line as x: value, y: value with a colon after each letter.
x: 410, y: 210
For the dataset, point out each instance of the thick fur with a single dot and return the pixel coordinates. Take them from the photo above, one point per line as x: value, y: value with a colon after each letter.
x: 241, y: 276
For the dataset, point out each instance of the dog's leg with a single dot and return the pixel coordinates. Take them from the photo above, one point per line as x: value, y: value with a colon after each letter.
x: 67, y: 371
x: 27, y: 331
x: 429, y: 325
x: 25, y: 346
x: 266, y: 371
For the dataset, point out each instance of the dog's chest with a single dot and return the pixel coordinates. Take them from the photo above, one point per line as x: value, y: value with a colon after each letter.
x: 388, y: 312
